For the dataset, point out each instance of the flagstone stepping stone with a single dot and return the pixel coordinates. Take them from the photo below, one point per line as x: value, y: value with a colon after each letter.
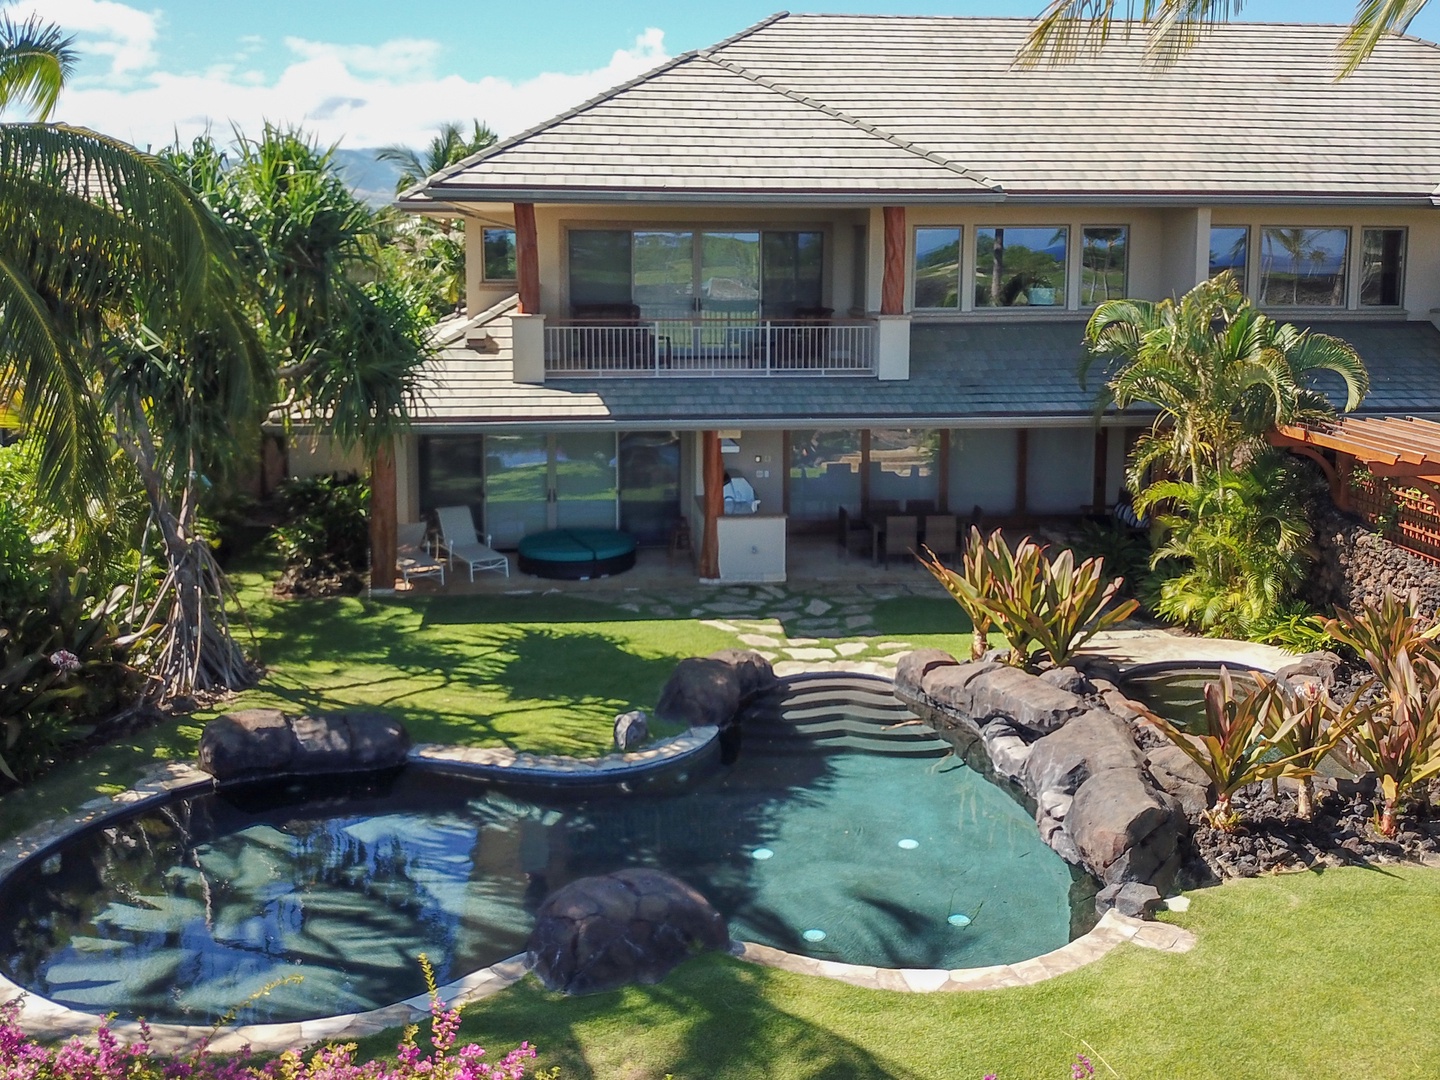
x: 760, y: 641
x: 888, y: 646
x: 851, y: 648
x: 811, y: 654
x: 717, y: 624
x: 804, y: 641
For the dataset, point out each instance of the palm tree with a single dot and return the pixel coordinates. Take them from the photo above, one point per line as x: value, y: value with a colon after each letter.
x: 1067, y: 28
x: 105, y: 255
x: 449, y: 145
x: 1219, y: 372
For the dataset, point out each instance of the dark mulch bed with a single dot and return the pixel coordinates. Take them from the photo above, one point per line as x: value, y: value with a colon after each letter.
x: 1271, y: 838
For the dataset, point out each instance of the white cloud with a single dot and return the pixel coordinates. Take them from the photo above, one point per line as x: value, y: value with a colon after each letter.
x: 124, y: 34
x: 370, y: 95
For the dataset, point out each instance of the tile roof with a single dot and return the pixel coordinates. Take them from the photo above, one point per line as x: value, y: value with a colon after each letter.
x: 971, y: 372
x: 934, y: 106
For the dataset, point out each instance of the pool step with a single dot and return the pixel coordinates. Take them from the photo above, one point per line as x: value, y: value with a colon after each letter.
x: 849, y: 711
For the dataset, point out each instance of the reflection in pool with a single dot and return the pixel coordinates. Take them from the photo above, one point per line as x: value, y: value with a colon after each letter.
x: 832, y: 820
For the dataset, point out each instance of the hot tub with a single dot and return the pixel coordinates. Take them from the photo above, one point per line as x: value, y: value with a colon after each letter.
x: 577, y: 554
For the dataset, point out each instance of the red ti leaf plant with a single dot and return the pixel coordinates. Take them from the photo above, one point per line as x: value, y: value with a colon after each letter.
x: 1400, y: 741
x: 1031, y: 599
x: 1248, y: 727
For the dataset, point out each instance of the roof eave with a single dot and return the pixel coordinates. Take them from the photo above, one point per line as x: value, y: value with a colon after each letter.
x: 814, y: 197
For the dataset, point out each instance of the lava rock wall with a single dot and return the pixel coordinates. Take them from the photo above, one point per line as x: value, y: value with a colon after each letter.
x: 1357, y: 564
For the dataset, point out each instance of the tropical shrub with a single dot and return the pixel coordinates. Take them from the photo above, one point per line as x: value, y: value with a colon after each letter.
x: 1031, y: 599
x: 1247, y: 728
x: 1306, y: 725
x: 64, y: 667
x: 326, y: 527
x: 1297, y: 630
x: 1240, y: 539
x: 1401, y: 740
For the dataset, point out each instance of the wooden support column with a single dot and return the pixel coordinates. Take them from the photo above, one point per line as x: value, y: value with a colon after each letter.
x: 713, y: 472
x: 1022, y: 472
x: 892, y: 285
x: 527, y: 259
x: 382, y: 519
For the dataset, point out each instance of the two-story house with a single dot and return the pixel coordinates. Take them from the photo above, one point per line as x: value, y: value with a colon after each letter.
x: 850, y: 260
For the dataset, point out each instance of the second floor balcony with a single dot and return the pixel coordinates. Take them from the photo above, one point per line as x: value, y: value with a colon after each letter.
x: 626, y: 344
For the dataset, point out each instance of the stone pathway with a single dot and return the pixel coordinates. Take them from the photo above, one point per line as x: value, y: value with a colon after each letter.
x: 780, y: 623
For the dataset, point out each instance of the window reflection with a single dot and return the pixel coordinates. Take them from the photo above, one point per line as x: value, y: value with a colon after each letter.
x: 1229, y: 248
x: 1303, y: 267
x: 1102, y: 263
x: 903, y: 468
x: 499, y: 248
x: 1021, y: 266
x: 937, y: 268
x: 824, y: 474
x: 1382, y: 268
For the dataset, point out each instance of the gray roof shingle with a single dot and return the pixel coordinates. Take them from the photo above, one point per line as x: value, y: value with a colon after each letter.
x: 934, y: 106
x: 966, y: 373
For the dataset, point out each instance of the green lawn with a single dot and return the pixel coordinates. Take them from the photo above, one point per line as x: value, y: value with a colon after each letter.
x: 1300, y: 976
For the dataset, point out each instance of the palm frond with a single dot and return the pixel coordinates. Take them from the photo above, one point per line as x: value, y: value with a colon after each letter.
x: 36, y: 59
x: 1374, y: 21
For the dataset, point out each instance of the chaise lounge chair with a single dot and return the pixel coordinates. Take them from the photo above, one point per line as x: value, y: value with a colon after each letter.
x: 411, y: 558
x: 457, y: 536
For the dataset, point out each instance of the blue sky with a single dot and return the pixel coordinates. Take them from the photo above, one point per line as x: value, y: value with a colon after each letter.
x: 372, y: 72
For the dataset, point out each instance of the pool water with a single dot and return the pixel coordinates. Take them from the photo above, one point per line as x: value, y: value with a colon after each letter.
x: 835, y: 834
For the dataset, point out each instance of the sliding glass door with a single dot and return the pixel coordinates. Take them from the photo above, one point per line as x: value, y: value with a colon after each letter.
x: 517, y: 487
x: 689, y: 276
x: 583, y: 467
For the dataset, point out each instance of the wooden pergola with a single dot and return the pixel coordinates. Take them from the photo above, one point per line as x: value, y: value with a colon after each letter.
x: 1406, y: 450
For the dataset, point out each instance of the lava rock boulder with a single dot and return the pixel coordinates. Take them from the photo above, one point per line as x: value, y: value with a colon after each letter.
x: 254, y: 743
x: 632, y: 926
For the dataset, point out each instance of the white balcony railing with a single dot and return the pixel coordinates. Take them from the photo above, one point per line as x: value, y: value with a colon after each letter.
x: 695, y: 347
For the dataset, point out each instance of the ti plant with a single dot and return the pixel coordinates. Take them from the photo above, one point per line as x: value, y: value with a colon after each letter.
x: 1401, y: 740
x: 967, y: 586
x: 1030, y: 599
x: 1240, y: 744
x: 1319, y: 726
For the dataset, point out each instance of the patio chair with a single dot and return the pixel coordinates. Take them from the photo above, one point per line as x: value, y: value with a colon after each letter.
x: 457, y: 537
x: 411, y: 557
x: 940, y: 536
x: 902, y: 536
x: 854, y: 534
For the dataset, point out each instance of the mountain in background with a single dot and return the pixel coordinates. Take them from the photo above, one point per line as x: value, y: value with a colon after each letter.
x: 371, y: 180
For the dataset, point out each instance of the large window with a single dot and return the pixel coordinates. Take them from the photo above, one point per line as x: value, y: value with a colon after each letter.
x: 499, y: 247
x: 904, y: 468
x: 1021, y: 266
x: 824, y: 474
x: 1303, y: 267
x: 1382, y: 268
x: 1229, y: 248
x: 937, y: 268
x: 792, y: 273
x: 733, y: 275
x: 1102, y: 263
x: 599, y: 267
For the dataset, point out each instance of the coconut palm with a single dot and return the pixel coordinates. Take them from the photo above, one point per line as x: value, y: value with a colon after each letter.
x: 104, y: 251
x: 449, y: 145
x: 1219, y: 372
x: 1067, y: 28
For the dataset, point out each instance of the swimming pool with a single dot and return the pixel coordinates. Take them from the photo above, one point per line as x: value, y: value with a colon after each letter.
x: 835, y: 834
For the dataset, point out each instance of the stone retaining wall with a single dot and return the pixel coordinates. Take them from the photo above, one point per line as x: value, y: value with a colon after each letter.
x: 1064, y: 739
x: 1357, y: 564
